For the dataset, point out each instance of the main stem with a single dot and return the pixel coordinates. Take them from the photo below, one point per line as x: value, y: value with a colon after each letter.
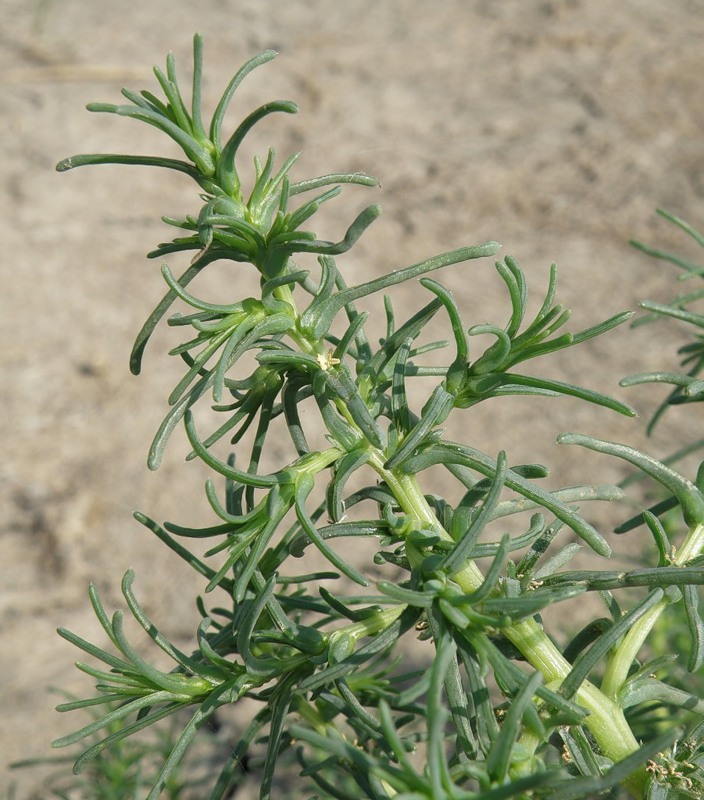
x: 623, y: 656
x: 606, y: 720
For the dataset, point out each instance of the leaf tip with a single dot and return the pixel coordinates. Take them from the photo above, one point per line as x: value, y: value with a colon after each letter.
x: 154, y: 461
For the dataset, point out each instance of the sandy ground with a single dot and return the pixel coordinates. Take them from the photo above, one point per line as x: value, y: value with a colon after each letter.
x: 554, y: 127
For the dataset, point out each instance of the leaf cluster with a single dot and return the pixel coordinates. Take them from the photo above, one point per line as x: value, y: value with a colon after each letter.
x: 687, y: 385
x: 488, y: 705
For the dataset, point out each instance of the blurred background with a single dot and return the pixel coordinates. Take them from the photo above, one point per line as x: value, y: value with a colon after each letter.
x: 556, y: 128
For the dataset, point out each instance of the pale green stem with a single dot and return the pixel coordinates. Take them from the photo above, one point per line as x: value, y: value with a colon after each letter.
x: 627, y: 651
x: 623, y: 656
x: 692, y: 547
x: 412, y: 501
x: 368, y: 627
x: 606, y: 720
x: 319, y: 460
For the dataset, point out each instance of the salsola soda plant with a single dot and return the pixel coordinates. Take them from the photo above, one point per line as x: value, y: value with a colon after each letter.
x: 502, y: 708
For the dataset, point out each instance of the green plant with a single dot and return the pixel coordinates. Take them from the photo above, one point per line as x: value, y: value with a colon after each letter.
x: 495, y: 707
x: 687, y: 387
x: 124, y: 771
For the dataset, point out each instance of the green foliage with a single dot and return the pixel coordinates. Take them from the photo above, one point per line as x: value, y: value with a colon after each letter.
x: 490, y: 706
x: 688, y: 388
x: 124, y: 770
